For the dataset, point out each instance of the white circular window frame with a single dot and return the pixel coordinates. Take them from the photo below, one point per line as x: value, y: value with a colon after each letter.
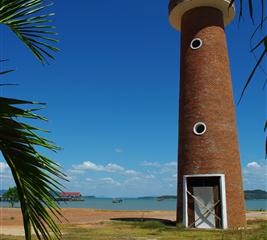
x: 196, y: 39
x: 195, y: 128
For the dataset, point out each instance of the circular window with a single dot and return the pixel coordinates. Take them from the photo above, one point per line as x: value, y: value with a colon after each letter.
x: 196, y: 43
x: 199, y: 128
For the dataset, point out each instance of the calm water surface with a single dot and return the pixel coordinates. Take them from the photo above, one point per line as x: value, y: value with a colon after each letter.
x: 139, y: 204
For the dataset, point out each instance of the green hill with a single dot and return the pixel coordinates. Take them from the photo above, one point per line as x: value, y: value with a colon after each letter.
x: 249, y: 194
x: 255, y: 194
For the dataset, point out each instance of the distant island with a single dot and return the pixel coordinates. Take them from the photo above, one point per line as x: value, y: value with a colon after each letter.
x: 164, y: 197
x: 89, y: 196
x: 76, y: 196
x: 249, y: 195
x: 147, y: 197
x: 255, y: 194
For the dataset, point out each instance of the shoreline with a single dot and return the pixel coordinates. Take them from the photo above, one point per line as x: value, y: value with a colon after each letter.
x: 138, y: 204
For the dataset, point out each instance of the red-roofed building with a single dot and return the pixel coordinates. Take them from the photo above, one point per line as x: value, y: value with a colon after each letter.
x: 70, y: 196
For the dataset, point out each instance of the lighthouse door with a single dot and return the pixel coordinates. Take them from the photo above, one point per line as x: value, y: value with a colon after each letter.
x: 204, y: 208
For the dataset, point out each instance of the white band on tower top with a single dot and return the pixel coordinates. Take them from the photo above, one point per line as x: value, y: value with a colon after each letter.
x: 181, y: 6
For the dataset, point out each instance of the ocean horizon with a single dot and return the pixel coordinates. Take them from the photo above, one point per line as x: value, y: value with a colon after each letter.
x: 149, y: 204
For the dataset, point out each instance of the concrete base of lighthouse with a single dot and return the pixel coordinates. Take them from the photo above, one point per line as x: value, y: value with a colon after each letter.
x: 204, y: 199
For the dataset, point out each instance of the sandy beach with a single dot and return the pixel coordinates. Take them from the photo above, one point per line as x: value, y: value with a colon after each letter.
x: 11, y: 220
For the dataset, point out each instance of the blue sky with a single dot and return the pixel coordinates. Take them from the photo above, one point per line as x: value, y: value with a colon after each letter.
x: 112, y: 97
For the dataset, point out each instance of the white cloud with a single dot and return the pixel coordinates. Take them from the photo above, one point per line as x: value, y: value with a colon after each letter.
x: 171, y: 179
x: 113, y: 179
x: 167, y: 165
x: 6, y: 177
x: 5, y: 172
x: 69, y: 178
x: 3, y: 167
x: 171, y: 164
x: 255, y: 175
x: 149, y: 176
x: 90, y: 166
x: 75, y: 171
x: 254, y: 165
x: 133, y: 181
x: 131, y: 172
x: 150, y: 164
x: 110, y: 181
x: 112, y: 167
x: 101, y: 181
x: 118, y: 150
x: 139, y: 175
x: 169, y: 168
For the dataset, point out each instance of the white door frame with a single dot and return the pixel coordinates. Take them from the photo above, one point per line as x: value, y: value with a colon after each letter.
x: 222, y: 193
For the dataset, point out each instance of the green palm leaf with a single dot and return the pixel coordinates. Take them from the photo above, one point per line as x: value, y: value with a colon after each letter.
x: 251, y: 75
x: 25, y: 19
x: 5, y: 72
x: 36, y: 176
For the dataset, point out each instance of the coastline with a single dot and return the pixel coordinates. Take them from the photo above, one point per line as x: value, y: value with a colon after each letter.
x: 138, y: 204
x: 11, y: 220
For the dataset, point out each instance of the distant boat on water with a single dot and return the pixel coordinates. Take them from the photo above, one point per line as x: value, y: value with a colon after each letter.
x: 117, y: 200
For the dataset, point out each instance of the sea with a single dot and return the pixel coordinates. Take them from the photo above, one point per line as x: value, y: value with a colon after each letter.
x: 139, y: 204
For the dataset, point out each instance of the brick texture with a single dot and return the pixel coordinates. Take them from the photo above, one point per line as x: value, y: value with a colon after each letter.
x: 206, y: 96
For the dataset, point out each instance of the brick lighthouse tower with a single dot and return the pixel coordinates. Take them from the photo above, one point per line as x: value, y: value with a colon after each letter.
x: 210, y: 193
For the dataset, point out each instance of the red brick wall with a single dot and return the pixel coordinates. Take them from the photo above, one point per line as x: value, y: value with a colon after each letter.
x: 206, y: 96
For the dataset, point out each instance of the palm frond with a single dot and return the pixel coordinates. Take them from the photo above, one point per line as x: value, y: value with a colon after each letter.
x: 252, y: 74
x: 241, y: 10
x: 262, y: 12
x: 8, y: 84
x: 262, y: 42
x: 250, y: 9
x: 6, y: 71
x: 25, y: 19
x: 35, y: 175
x: 251, y: 13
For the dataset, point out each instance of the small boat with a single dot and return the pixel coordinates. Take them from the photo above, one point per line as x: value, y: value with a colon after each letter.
x: 117, y: 200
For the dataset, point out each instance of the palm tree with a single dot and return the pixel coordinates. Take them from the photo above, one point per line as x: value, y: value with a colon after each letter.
x: 11, y: 195
x: 37, y: 177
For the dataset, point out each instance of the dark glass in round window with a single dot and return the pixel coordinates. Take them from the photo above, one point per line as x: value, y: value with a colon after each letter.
x: 196, y: 43
x: 200, y: 128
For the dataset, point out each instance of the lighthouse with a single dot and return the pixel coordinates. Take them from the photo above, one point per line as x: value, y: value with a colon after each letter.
x: 210, y: 193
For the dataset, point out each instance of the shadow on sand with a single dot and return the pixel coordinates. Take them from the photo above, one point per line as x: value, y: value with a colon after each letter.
x: 163, y: 221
